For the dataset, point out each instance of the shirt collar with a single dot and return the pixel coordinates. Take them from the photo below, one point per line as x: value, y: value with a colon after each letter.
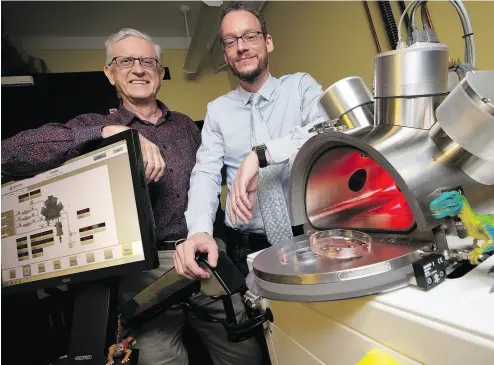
x: 126, y: 116
x: 266, y: 90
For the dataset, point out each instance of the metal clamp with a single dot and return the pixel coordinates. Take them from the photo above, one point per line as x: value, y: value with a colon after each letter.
x: 327, y: 126
x: 252, y: 300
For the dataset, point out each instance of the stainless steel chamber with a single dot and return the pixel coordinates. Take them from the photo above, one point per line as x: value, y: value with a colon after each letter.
x: 379, y: 178
x: 465, y: 128
x: 350, y: 102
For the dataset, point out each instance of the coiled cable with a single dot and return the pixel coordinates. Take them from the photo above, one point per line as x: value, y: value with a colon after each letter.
x: 389, y: 22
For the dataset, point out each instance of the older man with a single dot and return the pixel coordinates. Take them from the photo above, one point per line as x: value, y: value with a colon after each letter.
x: 169, y: 141
x: 253, y: 130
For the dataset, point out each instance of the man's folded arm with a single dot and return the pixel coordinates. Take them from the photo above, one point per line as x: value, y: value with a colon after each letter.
x: 282, y: 149
x: 36, y: 150
x: 205, y: 181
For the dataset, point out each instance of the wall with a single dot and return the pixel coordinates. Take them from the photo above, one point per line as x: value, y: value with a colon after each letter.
x: 448, y: 28
x: 332, y: 40
x: 187, y: 96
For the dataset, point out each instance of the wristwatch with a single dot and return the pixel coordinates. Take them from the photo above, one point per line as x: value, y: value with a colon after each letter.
x: 261, y: 155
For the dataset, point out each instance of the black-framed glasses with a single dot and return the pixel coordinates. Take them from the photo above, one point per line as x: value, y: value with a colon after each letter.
x: 128, y: 62
x: 248, y: 37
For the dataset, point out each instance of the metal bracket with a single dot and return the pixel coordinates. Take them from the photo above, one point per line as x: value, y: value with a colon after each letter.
x: 252, y: 300
x: 440, y: 239
x: 428, y: 36
x: 327, y: 126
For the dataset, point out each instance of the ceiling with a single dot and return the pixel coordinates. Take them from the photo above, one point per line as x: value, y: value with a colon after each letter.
x: 96, y: 18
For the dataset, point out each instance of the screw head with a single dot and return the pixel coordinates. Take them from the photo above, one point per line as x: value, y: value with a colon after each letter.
x: 184, y: 9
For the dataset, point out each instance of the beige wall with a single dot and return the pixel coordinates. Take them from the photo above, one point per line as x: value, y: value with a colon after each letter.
x: 180, y: 94
x: 332, y: 40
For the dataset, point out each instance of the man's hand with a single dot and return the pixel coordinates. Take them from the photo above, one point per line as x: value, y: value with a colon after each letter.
x: 110, y: 130
x: 184, y: 256
x: 154, y: 164
x: 153, y: 161
x: 243, y: 190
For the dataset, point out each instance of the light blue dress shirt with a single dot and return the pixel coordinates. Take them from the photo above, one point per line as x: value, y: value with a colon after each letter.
x: 290, y: 106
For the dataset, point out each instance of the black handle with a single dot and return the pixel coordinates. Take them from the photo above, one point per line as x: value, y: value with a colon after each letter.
x: 202, y: 257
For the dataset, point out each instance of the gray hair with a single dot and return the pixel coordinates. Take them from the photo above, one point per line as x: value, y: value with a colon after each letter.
x: 128, y: 32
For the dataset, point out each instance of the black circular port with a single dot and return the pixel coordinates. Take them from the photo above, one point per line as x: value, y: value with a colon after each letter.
x: 357, y: 180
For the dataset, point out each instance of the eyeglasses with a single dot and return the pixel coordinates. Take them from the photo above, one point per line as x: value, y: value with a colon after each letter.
x: 247, y: 38
x: 128, y: 62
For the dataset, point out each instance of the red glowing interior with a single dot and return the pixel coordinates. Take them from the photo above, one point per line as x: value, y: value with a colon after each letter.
x: 347, y: 189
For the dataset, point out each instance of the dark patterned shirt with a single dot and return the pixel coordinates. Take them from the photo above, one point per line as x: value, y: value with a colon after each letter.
x: 178, y: 138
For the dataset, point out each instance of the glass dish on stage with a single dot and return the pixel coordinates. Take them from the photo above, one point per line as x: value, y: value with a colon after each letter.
x: 335, y: 244
x: 340, y: 243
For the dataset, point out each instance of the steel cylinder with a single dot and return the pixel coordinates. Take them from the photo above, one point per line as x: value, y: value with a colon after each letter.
x: 467, y: 114
x: 350, y: 101
x: 412, y: 72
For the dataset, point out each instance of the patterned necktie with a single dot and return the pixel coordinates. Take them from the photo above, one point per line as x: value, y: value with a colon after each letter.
x: 269, y: 192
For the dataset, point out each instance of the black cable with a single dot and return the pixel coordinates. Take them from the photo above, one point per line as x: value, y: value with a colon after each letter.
x: 389, y: 22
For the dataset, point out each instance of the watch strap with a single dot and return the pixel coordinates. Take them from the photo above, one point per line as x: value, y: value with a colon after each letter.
x: 261, y: 155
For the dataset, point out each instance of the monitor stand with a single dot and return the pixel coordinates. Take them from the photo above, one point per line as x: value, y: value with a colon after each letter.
x: 94, y: 310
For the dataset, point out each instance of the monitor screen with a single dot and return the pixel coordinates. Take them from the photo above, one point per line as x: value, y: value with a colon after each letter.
x: 78, y: 218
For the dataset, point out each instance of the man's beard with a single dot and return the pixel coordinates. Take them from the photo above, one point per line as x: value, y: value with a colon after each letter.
x: 250, y: 76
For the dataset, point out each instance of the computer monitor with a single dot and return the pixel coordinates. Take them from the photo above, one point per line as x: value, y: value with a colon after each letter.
x: 88, y: 219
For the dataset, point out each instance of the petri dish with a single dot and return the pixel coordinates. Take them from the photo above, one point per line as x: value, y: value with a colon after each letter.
x: 340, y: 243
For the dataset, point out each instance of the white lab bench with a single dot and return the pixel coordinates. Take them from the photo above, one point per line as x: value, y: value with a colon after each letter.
x: 452, y: 324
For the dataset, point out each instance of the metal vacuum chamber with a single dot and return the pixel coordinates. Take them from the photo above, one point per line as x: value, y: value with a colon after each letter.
x: 371, y: 186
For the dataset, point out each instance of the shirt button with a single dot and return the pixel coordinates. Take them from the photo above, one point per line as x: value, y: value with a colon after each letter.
x: 178, y: 195
x: 171, y: 170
